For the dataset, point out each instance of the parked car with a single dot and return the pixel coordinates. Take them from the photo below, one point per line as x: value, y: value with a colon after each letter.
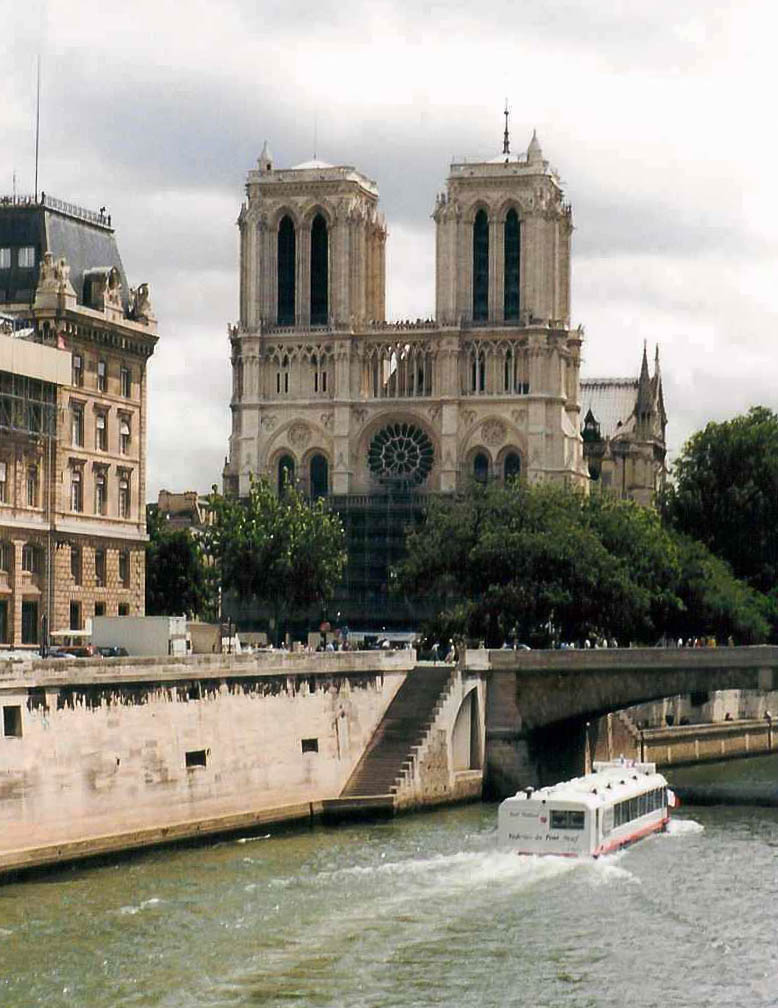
x: 112, y: 651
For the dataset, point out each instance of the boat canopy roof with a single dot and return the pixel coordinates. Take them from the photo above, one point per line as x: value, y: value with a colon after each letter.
x: 609, y: 782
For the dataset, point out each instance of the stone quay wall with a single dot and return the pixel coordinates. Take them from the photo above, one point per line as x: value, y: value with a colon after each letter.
x: 103, y: 755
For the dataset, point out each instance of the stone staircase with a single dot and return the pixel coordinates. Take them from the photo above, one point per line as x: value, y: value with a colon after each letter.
x: 403, y: 729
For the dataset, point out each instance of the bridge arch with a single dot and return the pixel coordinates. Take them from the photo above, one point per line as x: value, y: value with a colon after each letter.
x: 466, y: 749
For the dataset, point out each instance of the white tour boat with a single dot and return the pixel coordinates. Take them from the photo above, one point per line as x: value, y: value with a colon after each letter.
x: 618, y: 803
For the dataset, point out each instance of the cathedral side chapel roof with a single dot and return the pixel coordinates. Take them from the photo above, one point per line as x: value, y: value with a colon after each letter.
x: 611, y: 400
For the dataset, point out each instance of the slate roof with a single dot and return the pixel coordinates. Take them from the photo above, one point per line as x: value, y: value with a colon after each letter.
x: 611, y: 400
x: 86, y: 239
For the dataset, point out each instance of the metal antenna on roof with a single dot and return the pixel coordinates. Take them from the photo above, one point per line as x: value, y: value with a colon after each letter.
x: 506, y: 141
x: 37, y: 124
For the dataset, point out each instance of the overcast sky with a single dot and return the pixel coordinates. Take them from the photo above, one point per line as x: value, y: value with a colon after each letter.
x: 657, y: 117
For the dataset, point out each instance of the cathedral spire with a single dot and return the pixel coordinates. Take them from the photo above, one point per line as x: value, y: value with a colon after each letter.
x: 645, y: 400
x: 534, y: 153
x: 657, y: 373
x: 506, y: 140
x: 265, y: 159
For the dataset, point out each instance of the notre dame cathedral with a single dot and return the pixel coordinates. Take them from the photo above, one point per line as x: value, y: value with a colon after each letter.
x: 376, y: 415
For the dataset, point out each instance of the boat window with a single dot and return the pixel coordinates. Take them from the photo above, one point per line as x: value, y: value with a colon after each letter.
x: 633, y: 808
x: 566, y: 819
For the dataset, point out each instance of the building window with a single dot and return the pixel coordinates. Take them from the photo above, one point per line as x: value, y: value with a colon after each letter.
x: 286, y: 272
x: 29, y: 622
x: 3, y: 483
x: 477, y: 370
x: 511, y: 278
x: 282, y: 377
x: 99, y: 608
x: 32, y: 486
x: 12, y: 721
x: 101, y: 432
x: 195, y: 758
x: 75, y: 615
x: 77, y: 425
x: 124, y: 609
x: 319, y: 365
x: 124, y: 569
x: 76, y: 564
x: 480, y: 267
x: 30, y: 558
x: 101, y: 492
x: 6, y: 556
x: 124, y: 436
x: 481, y: 468
x: 124, y: 496
x: 76, y: 489
x: 78, y: 370
x: 100, y: 568
x: 26, y: 258
x: 125, y: 380
x: 5, y: 258
x: 319, y: 255
x: 309, y: 745
x: 102, y: 379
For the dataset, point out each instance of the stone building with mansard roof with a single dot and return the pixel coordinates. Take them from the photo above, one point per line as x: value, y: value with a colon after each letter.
x: 376, y: 415
x: 72, y: 422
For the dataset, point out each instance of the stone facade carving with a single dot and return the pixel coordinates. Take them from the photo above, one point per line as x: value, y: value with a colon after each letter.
x: 299, y: 435
x: 493, y: 432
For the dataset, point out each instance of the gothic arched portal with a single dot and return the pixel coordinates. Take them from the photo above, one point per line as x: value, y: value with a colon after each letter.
x: 512, y: 246
x: 286, y: 271
x: 285, y: 472
x: 511, y: 465
x: 481, y: 468
x: 480, y: 267
x: 319, y: 253
x: 319, y: 477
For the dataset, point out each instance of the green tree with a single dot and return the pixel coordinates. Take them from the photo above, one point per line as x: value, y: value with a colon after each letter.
x: 284, y: 550
x: 714, y: 601
x: 726, y: 494
x: 177, y: 577
x: 531, y: 559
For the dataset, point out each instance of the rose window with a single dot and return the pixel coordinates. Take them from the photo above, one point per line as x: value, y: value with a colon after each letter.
x: 401, y: 454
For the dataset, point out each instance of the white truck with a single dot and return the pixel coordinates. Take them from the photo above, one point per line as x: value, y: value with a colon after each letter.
x: 142, y: 636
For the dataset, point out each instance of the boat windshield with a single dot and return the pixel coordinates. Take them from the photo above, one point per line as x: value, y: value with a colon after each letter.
x: 566, y: 819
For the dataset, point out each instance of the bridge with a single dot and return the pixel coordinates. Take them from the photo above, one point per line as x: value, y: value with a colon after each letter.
x: 538, y: 703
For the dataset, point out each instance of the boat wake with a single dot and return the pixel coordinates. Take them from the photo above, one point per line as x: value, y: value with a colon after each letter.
x: 683, y: 827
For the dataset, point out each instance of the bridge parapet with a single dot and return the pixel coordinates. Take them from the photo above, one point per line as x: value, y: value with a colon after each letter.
x: 87, y: 671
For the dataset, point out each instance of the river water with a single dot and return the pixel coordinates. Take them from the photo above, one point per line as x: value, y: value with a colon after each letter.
x: 419, y: 911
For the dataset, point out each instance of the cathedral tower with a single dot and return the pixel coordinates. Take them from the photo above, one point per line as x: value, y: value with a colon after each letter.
x: 312, y: 247
x: 503, y: 242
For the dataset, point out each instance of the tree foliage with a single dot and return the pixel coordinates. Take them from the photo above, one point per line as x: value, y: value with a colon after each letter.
x: 177, y: 575
x: 726, y: 494
x: 284, y: 550
x: 541, y: 560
